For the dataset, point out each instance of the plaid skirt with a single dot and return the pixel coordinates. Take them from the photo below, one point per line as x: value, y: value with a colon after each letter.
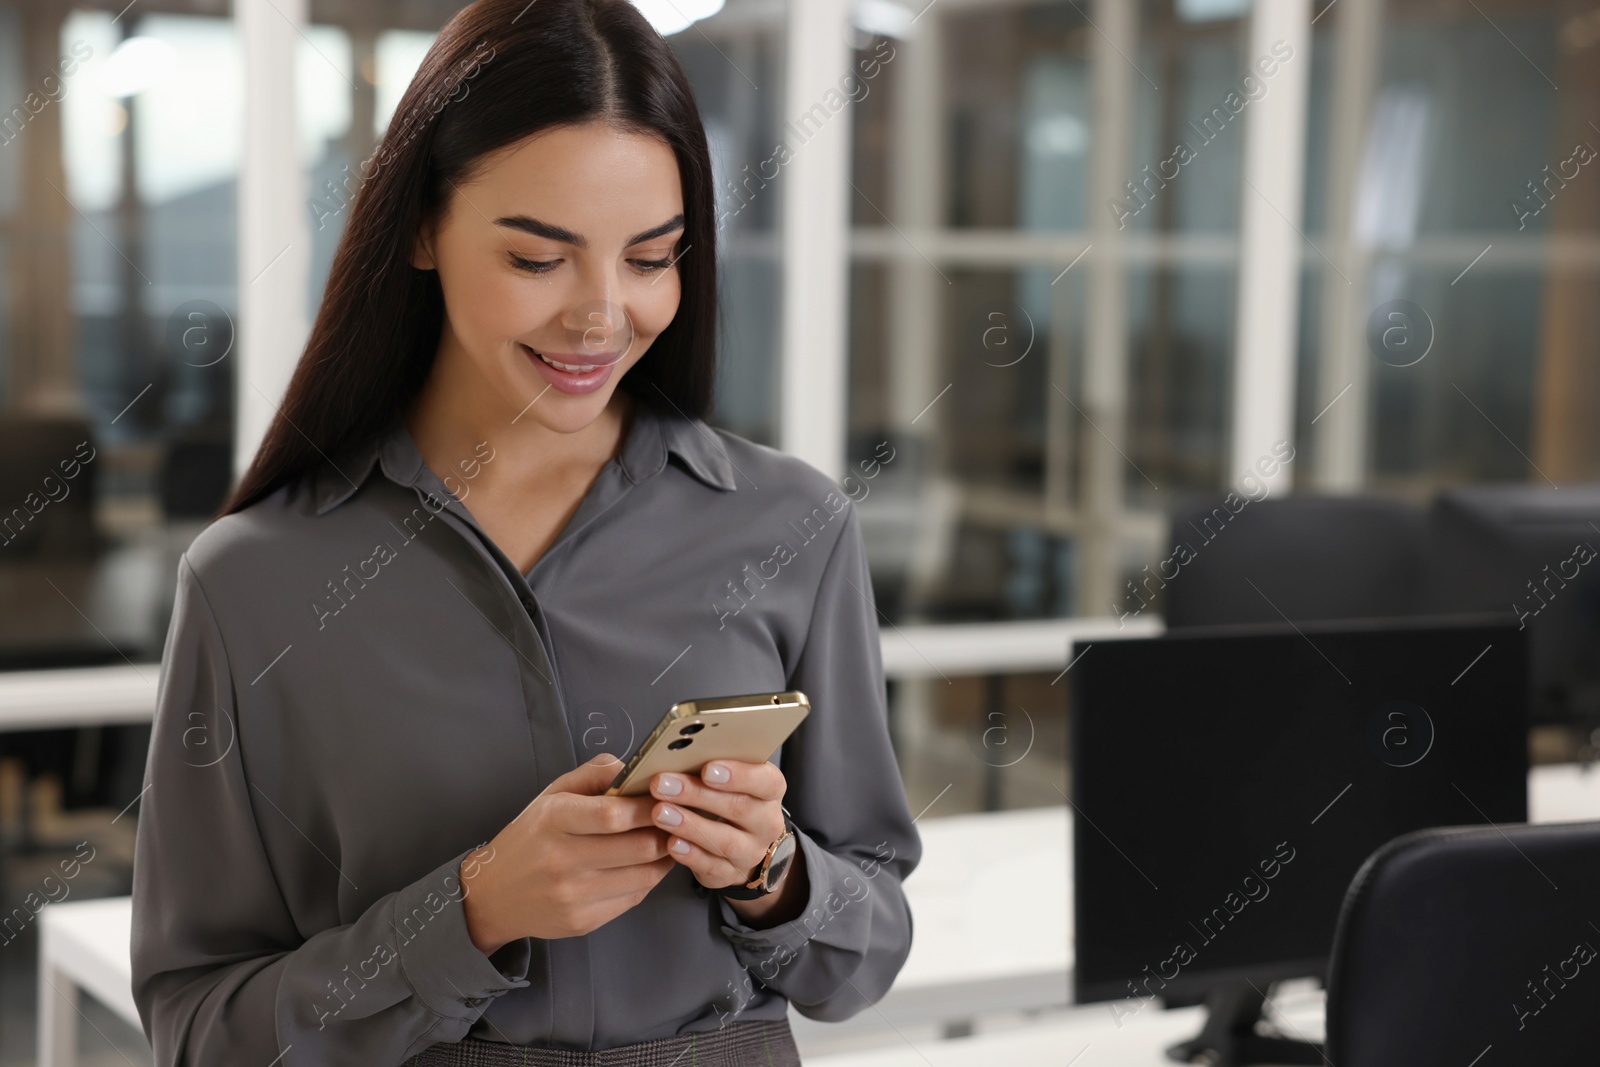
x: 749, y: 1043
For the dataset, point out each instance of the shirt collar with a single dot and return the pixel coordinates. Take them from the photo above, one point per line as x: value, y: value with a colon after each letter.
x: 653, y: 436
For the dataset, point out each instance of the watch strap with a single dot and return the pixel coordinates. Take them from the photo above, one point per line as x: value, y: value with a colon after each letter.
x: 757, y: 890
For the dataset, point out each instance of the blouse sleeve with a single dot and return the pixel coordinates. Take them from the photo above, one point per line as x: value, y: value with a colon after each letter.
x: 221, y: 974
x: 847, y: 799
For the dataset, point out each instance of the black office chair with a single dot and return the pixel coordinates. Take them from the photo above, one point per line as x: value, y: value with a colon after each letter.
x: 1309, y: 557
x: 33, y: 450
x: 1455, y: 941
x: 1517, y: 549
x: 196, y: 471
x: 37, y: 455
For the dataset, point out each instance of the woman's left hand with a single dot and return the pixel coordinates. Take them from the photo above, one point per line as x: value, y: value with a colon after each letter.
x: 748, y: 797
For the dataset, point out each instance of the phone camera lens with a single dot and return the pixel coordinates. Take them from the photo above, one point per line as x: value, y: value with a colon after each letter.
x: 693, y: 728
x: 682, y: 742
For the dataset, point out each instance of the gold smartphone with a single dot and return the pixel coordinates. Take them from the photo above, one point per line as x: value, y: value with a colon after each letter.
x: 691, y: 734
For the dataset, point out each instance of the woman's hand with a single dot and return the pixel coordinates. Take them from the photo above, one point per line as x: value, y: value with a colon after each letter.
x: 572, y: 861
x: 748, y: 798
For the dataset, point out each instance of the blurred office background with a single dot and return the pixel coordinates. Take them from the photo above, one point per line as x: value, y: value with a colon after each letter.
x: 1381, y: 258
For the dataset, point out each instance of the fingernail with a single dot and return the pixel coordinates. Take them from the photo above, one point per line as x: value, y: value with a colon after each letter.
x: 715, y: 773
x: 671, y: 785
x: 670, y: 816
x: 681, y: 847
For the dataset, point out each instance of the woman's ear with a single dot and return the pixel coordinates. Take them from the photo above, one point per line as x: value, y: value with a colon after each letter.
x: 422, y: 247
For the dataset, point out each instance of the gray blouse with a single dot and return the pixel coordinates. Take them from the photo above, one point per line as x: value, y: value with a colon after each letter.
x: 359, y: 688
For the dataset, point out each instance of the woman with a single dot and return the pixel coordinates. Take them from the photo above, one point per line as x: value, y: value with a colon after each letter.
x: 486, y: 542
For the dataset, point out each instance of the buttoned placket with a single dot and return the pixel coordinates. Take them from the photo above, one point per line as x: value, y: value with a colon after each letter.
x: 572, y: 1001
x: 461, y: 520
x: 608, y: 488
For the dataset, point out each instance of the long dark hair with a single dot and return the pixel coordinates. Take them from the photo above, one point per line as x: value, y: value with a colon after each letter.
x: 500, y: 71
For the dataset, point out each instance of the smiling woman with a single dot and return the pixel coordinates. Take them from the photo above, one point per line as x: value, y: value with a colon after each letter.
x: 535, y: 305
x: 529, y: 274
x: 543, y: 319
x: 589, y: 87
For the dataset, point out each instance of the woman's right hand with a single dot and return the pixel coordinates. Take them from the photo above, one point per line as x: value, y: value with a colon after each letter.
x: 572, y: 861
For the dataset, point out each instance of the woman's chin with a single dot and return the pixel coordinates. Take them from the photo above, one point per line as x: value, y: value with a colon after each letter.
x: 563, y: 412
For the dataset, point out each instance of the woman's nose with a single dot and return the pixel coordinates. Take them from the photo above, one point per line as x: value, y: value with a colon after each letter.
x: 599, y: 322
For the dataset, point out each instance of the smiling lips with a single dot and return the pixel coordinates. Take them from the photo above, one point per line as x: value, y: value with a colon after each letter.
x: 575, y: 364
x: 571, y: 373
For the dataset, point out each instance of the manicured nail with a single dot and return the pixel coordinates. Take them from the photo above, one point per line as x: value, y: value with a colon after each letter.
x: 671, y: 785
x: 715, y: 773
x: 670, y: 816
x: 681, y: 847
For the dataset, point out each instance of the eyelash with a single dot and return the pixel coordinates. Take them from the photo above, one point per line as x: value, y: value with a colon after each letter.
x: 533, y: 266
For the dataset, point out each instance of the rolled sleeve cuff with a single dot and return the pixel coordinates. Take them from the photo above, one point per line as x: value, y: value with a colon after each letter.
x: 447, y: 972
x: 824, y: 871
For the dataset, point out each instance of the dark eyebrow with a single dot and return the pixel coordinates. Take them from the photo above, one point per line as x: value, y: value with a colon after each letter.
x: 559, y: 233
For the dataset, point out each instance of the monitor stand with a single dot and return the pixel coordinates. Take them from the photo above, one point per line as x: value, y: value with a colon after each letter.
x: 1229, y: 1039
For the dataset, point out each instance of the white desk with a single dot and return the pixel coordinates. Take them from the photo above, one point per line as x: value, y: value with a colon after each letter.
x: 83, y: 946
x: 1000, y: 647
x: 93, y: 696
x: 968, y: 957
x: 991, y: 913
x: 1090, y: 1034
x: 82, y: 696
x: 980, y: 945
x: 1564, y: 792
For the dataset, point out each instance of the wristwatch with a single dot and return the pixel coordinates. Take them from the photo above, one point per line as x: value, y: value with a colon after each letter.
x: 766, y: 875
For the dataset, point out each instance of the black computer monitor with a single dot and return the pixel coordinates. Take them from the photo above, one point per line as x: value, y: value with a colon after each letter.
x: 1531, y: 553
x: 1228, y: 783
